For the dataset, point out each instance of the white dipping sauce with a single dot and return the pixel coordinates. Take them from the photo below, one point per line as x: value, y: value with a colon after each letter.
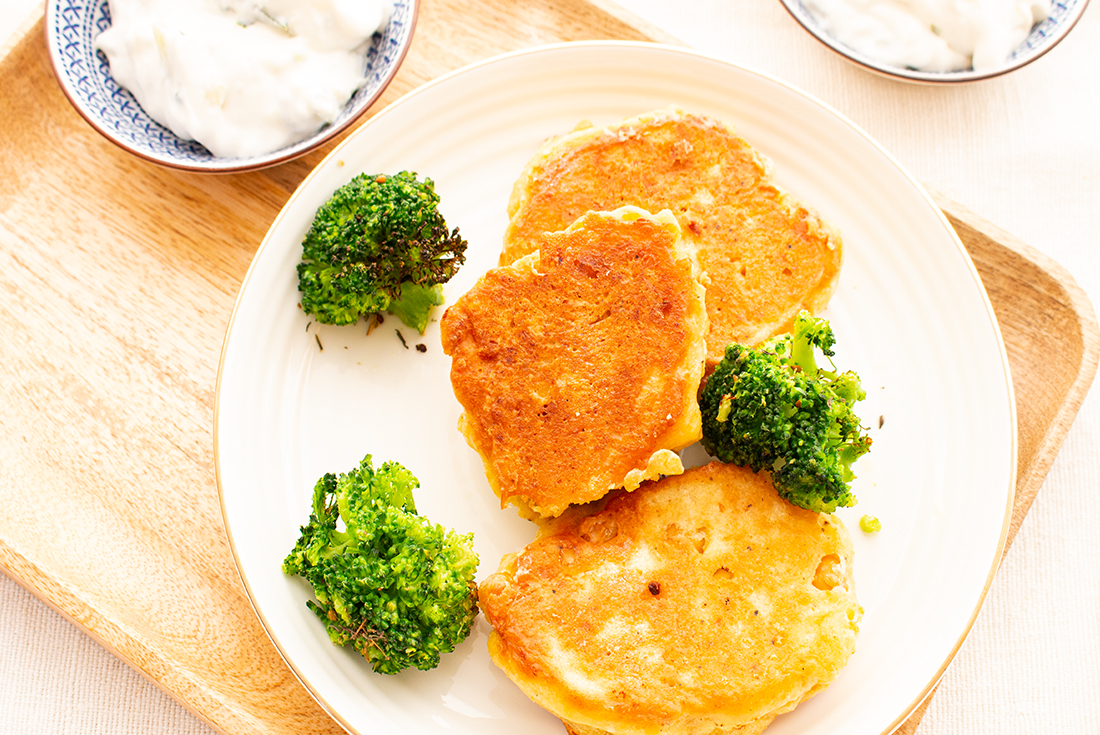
x: 239, y: 77
x: 931, y: 35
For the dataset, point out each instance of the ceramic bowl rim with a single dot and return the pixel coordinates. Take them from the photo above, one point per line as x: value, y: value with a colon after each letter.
x: 798, y: 11
x: 216, y: 164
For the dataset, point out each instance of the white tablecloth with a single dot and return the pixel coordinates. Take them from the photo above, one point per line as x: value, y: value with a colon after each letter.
x: 1022, y: 151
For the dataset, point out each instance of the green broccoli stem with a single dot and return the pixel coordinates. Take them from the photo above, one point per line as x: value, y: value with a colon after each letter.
x: 414, y: 306
x: 804, y: 355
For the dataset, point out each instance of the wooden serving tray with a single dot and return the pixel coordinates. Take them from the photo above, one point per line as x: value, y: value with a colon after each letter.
x: 117, y: 280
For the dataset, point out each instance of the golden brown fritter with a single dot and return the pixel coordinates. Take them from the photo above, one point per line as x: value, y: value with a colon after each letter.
x: 578, y: 365
x: 699, y: 604
x: 765, y: 256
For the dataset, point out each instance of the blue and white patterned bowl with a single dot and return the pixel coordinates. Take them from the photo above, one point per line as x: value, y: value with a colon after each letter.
x: 1044, y: 36
x: 85, y: 77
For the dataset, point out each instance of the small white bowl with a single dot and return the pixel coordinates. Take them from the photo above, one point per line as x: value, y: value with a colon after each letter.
x: 85, y: 77
x: 1044, y: 36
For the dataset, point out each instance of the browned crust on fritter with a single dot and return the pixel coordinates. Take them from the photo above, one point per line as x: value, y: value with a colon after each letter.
x: 752, y: 728
x: 764, y: 255
x: 700, y: 603
x: 578, y: 366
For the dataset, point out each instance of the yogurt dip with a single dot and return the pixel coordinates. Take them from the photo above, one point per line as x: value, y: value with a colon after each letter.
x: 241, y: 77
x: 931, y: 35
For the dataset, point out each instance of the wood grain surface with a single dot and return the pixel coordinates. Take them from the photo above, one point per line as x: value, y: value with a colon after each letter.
x: 117, y: 279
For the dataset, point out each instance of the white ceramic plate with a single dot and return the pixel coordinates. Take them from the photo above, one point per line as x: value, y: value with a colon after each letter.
x: 910, y: 314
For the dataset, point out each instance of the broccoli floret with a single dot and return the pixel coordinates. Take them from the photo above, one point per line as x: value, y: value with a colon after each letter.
x: 773, y: 408
x: 397, y: 588
x: 378, y: 244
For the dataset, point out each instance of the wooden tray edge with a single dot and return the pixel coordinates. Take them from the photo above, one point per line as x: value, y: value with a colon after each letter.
x: 159, y: 669
x: 26, y: 26
x: 1028, y: 484
x: 655, y: 34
